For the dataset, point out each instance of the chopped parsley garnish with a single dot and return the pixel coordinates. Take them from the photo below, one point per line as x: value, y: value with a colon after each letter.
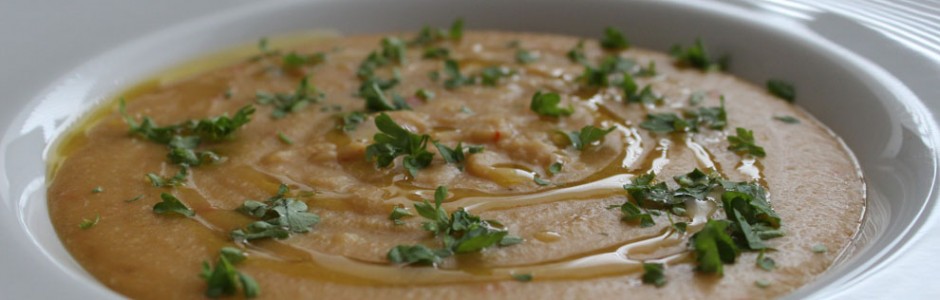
x: 294, y: 60
x: 285, y: 103
x: 138, y: 197
x: 695, y: 185
x: 280, y: 216
x: 546, y: 104
x: 648, y: 71
x: 214, y: 129
x: 224, y: 279
x: 490, y: 76
x: 588, y: 134
x: 614, y: 39
x: 787, y: 119
x: 555, y: 168
x: 750, y: 213
x: 436, y: 52
x: 525, y: 56
x: 461, y: 232
x: 713, y: 247
x: 350, y: 121
x: 744, y: 143
x: 653, y: 274
x: 429, y: 35
x: 820, y: 248
x: 695, y: 56
x: 393, y: 49
x: 665, y: 123
x: 647, y: 194
x: 454, y: 78
x: 576, y: 54
x: 393, y: 141
x: 696, y: 98
x: 177, y: 180
x: 97, y: 189
x: 171, y: 204
x: 377, y: 101
x: 633, y: 214
x: 714, y: 117
x: 613, y: 64
x: 522, y: 277
x: 765, y: 262
x: 456, y: 155
x: 86, y: 223
x: 284, y: 138
x: 782, y: 89
x: 541, y: 182
x: 645, y: 96
x: 398, y: 213
x: 424, y: 94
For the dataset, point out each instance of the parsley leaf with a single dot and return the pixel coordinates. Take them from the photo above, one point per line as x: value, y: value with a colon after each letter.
x: 455, y: 155
x: 424, y: 94
x: 587, y: 135
x: 294, y: 60
x: 713, y: 247
x: 653, y: 274
x: 215, y: 129
x: 436, y: 52
x: 461, y: 232
x: 787, y: 119
x: 284, y: 138
x: 171, y: 204
x: 555, y: 168
x: 377, y: 101
x: 633, y: 214
x: 285, y: 103
x: 454, y: 78
x: 280, y: 217
x: 397, y: 214
x: 393, y: 141
x: 766, y: 263
x: 429, y: 35
x: 714, y: 117
x: 665, y: 123
x: 646, y: 193
x: 576, y: 54
x: 522, y: 277
x: 695, y: 56
x: 744, y: 143
x: 393, y: 49
x: 695, y: 185
x: 177, y: 180
x: 224, y: 279
x: 645, y: 96
x: 648, y: 71
x: 614, y: 40
x: 782, y: 89
x: 87, y: 224
x: 352, y: 120
x: 525, y: 56
x: 546, y: 104
x: 490, y: 76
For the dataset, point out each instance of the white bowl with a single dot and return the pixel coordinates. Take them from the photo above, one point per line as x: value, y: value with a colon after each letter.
x: 888, y: 128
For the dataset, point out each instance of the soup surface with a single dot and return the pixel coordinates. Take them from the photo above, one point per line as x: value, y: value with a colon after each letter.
x: 568, y: 153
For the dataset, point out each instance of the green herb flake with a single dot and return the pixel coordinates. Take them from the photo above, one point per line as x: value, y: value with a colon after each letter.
x: 436, y: 52
x: 286, y: 103
x: 587, y: 135
x: 424, y: 94
x: 224, y: 279
x: 680, y: 227
x: 632, y: 213
x: 765, y: 262
x: 653, y: 273
x: 490, y: 76
x: 782, y: 89
x: 138, y: 197
x: 695, y: 56
x: 665, y: 123
x: 97, y: 189
x: 177, y: 180
x: 525, y: 56
x: 546, y: 104
x: 393, y: 141
x: 522, y: 277
x: 454, y: 78
x: 787, y: 119
x: 86, y: 223
x: 460, y: 232
x: 453, y: 155
x: 696, y: 98
x: 648, y: 71
x: 541, y: 182
x: 284, y: 138
x: 350, y: 121
x: 171, y: 204
x: 294, y: 60
x: 555, y: 168
x: 614, y: 39
x: 398, y: 213
x: 713, y: 247
x: 819, y: 248
x: 744, y: 142
x: 456, y: 30
x: 280, y: 215
x: 576, y: 54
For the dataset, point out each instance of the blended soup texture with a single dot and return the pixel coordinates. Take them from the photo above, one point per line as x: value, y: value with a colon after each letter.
x: 551, y: 195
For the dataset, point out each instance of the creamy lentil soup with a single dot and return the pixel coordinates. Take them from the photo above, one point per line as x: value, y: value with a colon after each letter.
x: 452, y: 164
